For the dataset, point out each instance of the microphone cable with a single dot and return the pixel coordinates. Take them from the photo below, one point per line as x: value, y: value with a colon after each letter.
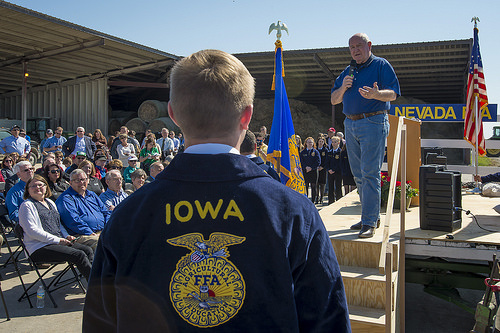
x: 468, y: 212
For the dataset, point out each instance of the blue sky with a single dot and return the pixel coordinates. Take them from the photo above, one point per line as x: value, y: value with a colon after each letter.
x: 183, y: 27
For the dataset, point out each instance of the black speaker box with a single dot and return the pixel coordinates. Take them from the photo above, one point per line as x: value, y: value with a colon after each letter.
x: 440, y: 193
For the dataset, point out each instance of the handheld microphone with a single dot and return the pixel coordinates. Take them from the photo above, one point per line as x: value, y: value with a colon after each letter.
x: 352, y: 67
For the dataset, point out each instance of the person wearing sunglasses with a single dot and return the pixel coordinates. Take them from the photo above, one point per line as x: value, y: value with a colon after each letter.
x: 7, y: 167
x: 80, y: 143
x: 57, y: 184
x: 15, y: 143
x: 24, y: 171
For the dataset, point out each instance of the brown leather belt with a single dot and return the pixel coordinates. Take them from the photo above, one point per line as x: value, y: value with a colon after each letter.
x: 364, y: 115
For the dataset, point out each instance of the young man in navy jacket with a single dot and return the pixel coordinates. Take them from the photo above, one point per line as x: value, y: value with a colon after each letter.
x: 214, y: 244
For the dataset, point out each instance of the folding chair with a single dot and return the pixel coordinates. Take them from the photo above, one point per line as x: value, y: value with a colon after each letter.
x: 13, y: 255
x: 57, y: 282
x: 3, y: 299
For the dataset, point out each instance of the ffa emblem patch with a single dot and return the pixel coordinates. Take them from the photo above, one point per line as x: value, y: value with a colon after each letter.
x: 323, y: 153
x: 337, y: 157
x: 313, y: 153
x: 206, y: 289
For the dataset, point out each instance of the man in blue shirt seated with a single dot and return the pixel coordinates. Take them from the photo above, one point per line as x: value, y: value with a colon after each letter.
x: 24, y: 171
x: 15, y: 143
x: 82, y: 212
x: 114, y: 194
x: 366, y: 88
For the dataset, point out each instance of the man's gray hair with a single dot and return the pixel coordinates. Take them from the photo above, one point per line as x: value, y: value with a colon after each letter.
x: 77, y: 172
x: 361, y: 35
x: 18, y: 166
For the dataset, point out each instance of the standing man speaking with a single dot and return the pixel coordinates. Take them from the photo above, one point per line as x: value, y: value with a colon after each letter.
x: 366, y: 88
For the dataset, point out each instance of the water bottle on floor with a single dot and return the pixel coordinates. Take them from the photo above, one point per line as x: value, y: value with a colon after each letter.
x: 40, y: 297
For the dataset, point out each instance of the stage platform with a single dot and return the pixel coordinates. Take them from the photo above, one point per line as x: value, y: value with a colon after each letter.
x: 470, y: 242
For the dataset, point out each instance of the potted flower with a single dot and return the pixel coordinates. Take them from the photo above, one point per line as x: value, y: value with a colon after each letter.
x: 410, y: 191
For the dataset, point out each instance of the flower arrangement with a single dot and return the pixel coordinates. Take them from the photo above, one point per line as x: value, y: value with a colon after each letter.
x: 385, y: 182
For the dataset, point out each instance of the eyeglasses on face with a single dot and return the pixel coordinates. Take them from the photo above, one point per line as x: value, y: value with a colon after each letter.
x: 79, y: 180
x: 28, y: 169
x: 55, y: 171
x: 7, y: 161
x: 80, y: 158
x: 114, y: 167
x: 15, y: 129
x: 37, y: 185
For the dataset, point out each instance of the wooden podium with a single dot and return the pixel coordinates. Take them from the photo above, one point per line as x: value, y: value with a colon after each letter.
x: 413, y: 159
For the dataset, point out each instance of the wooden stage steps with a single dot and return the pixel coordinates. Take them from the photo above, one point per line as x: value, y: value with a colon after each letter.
x: 370, y: 294
x: 366, y: 288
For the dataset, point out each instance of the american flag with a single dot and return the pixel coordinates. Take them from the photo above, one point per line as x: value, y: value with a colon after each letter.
x: 475, y: 87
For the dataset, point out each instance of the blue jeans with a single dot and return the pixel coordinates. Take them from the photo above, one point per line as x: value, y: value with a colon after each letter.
x: 365, y: 139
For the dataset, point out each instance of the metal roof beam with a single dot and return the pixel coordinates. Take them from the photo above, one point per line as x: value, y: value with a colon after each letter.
x: 51, y: 53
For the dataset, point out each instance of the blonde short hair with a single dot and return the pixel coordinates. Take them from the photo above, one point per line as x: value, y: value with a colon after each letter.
x: 209, y: 91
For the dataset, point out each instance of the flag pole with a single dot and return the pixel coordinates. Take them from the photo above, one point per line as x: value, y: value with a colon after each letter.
x: 476, y: 189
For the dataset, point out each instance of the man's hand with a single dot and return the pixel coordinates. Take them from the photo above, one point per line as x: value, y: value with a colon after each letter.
x: 477, y: 178
x: 308, y: 169
x: 347, y: 83
x: 331, y: 172
x: 370, y: 93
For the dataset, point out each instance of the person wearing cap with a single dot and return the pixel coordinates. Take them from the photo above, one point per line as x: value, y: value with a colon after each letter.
x: 54, y: 143
x: 330, y: 135
x: 48, y: 134
x: 100, y: 166
x: 132, y: 166
x: 366, y: 89
x: 15, y: 143
x: 79, y: 158
x: 79, y: 143
x: 22, y: 133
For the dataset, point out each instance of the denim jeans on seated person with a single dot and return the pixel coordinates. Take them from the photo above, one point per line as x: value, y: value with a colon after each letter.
x: 365, y: 139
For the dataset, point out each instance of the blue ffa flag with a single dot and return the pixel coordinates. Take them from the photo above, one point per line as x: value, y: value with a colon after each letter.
x: 283, y: 151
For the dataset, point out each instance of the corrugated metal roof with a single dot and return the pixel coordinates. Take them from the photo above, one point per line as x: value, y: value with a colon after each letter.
x: 57, y: 51
x: 435, y: 72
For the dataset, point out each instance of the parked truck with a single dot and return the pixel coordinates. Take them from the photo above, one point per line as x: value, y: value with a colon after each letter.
x: 35, y: 128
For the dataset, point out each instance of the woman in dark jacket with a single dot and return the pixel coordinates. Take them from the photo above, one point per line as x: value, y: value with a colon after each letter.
x: 310, y: 161
x: 95, y: 184
x: 53, y: 174
x: 323, y: 153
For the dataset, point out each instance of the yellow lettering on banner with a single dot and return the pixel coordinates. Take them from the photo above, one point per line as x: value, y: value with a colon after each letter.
x: 208, y: 209
x: 420, y: 112
x: 409, y: 111
x: 188, y: 216
x: 398, y: 112
x: 486, y: 113
x: 464, y: 110
x: 428, y: 113
x: 450, y: 113
x: 233, y: 210
x: 439, y: 115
